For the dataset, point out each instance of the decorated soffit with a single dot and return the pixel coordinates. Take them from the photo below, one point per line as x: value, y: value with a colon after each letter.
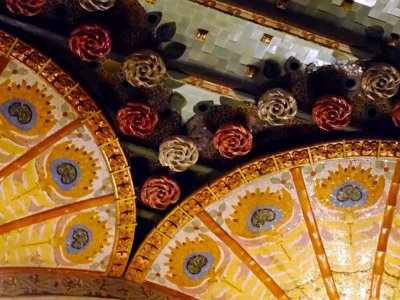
x: 66, y: 190
x: 182, y: 92
x: 317, y: 223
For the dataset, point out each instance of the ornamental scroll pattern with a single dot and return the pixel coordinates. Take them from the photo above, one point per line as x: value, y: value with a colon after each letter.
x: 105, y: 138
x: 195, y: 203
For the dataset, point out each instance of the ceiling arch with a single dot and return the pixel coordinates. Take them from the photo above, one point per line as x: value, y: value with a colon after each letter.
x: 312, y: 222
x: 67, y: 198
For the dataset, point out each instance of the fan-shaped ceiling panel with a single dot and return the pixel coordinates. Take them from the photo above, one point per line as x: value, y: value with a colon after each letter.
x: 66, y: 194
x: 312, y: 223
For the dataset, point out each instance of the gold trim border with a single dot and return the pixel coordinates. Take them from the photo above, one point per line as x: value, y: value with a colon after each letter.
x: 102, y: 133
x: 269, y: 22
x: 158, y: 238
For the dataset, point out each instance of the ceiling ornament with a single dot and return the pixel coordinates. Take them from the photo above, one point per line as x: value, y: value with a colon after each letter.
x: 381, y: 81
x: 349, y: 187
x: 90, y: 42
x: 26, y: 7
x: 144, y: 68
x: 178, y: 153
x: 395, y: 114
x: 96, y: 5
x: 233, y: 139
x: 277, y: 106
x: 331, y: 113
x: 193, y: 263
x: 159, y: 192
x: 137, y: 119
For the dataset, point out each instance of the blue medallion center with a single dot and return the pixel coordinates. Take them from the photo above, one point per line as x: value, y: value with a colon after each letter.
x: 349, y: 194
x: 66, y: 173
x: 19, y: 113
x: 263, y: 218
x: 197, y: 264
x: 79, y: 238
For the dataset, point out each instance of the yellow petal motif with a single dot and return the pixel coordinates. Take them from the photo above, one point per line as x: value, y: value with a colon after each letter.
x: 255, y: 202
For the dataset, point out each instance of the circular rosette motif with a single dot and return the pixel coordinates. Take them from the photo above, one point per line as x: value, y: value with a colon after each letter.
x: 90, y: 42
x: 193, y: 262
x: 331, y: 113
x: 26, y: 7
x: 68, y: 172
x: 137, y: 119
x: 26, y: 111
x: 277, y: 106
x: 395, y: 114
x: 178, y: 153
x: 81, y: 238
x: 349, y: 194
x: 381, y: 81
x: 260, y: 214
x: 95, y: 5
x: 144, y: 68
x: 159, y: 192
x: 232, y: 140
x: 349, y: 187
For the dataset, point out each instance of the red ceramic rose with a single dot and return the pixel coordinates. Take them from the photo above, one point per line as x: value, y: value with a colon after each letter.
x: 159, y: 192
x: 90, y: 42
x: 395, y: 114
x: 137, y: 119
x: 233, y: 139
x: 331, y: 113
x: 26, y: 7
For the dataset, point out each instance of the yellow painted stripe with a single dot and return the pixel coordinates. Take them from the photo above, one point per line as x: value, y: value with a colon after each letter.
x: 242, y: 254
x: 43, y: 67
x: 38, y: 149
x: 56, y: 212
x: 313, y: 232
x: 384, y: 235
x: 12, y: 47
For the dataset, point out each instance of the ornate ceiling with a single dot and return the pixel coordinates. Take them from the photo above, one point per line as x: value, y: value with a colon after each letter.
x: 144, y: 149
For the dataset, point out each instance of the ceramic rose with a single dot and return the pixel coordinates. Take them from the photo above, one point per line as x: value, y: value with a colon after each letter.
x: 159, y: 192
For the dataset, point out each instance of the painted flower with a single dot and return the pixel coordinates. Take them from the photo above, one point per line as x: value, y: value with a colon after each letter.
x: 276, y: 106
x: 13, y: 70
x: 233, y: 139
x: 195, y: 226
x: 178, y: 153
x: 90, y: 42
x: 144, y: 68
x: 285, y: 180
x: 67, y: 115
x: 159, y: 192
x: 26, y: 7
x: 137, y: 119
x: 155, y: 274
x: 80, y: 133
x: 380, y: 81
x: 94, y: 5
x: 395, y: 114
x: 331, y: 112
x: 216, y: 214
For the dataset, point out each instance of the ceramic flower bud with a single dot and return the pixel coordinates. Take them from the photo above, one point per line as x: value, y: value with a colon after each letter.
x: 159, y: 192
x: 331, y: 113
x: 90, y: 42
x: 277, y: 106
x: 144, y: 68
x: 381, y: 81
x: 96, y: 5
x: 395, y: 114
x: 26, y: 7
x: 178, y: 153
x: 137, y: 119
x: 232, y: 140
